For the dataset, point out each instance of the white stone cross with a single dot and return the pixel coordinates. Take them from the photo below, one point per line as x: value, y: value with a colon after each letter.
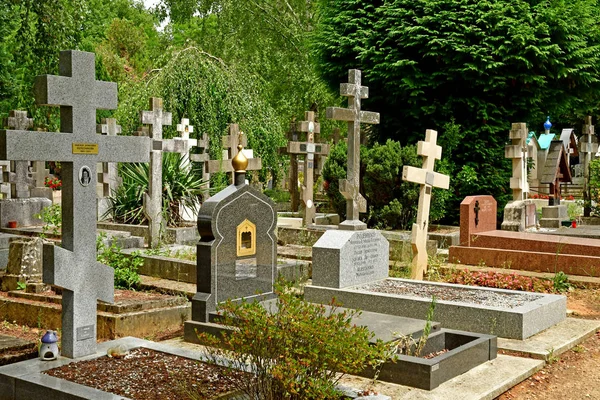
x: 349, y: 187
x: 517, y: 151
x: 73, y: 265
x: 20, y: 178
x: 587, y: 147
x: 428, y: 179
x: 184, y: 128
x: 309, y: 149
x: 108, y: 175
x: 155, y: 118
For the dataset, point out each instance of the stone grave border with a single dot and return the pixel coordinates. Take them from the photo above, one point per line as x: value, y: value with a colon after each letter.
x: 514, y: 323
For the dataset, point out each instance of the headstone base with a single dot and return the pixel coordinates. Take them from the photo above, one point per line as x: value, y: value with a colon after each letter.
x: 519, y: 215
x: 552, y: 216
x: 22, y: 211
x: 344, y: 258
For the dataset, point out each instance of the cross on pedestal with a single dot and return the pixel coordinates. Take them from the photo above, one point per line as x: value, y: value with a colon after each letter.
x: 517, y: 151
x: 587, y: 147
x: 73, y: 265
x: 428, y: 179
x: 20, y: 178
x: 108, y: 175
x: 230, y: 143
x: 349, y: 187
x: 203, y: 157
x: 309, y: 149
x: 155, y: 118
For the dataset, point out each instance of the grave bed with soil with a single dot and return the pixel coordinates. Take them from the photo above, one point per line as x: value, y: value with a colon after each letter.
x: 505, y: 313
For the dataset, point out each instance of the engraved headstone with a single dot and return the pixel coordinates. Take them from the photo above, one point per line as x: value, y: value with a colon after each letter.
x: 73, y: 265
x: 236, y: 255
x: 428, y: 179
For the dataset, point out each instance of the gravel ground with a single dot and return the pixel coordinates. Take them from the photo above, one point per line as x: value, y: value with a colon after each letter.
x: 446, y: 293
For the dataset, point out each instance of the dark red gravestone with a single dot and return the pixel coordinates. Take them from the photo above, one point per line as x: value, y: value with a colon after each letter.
x: 477, y: 214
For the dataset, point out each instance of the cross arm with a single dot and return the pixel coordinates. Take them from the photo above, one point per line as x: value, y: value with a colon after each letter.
x: 423, y: 177
x: 319, y: 148
x: 348, y: 114
x: 55, y: 90
x: 348, y: 89
x: 303, y: 126
x: 26, y: 145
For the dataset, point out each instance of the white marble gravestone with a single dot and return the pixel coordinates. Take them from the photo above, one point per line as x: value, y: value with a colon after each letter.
x: 73, y: 265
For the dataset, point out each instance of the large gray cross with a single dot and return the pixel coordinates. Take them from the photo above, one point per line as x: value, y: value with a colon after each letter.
x: 349, y: 187
x: 108, y: 175
x: 428, y: 179
x: 73, y: 265
x: 309, y: 149
x: 20, y: 178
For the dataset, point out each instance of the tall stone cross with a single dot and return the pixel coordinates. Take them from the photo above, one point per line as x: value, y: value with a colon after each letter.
x: 587, y: 147
x: 203, y: 157
x: 20, y: 178
x: 309, y: 149
x: 292, y: 136
x: 230, y: 143
x: 78, y: 147
x: 517, y: 151
x: 349, y: 187
x: 155, y: 118
x: 428, y: 179
x: 108, y: 175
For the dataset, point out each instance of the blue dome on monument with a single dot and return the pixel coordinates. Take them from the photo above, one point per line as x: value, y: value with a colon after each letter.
x: 547, y: 124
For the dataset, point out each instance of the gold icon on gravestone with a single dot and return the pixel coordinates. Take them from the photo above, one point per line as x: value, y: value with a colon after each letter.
x: 246, y: 239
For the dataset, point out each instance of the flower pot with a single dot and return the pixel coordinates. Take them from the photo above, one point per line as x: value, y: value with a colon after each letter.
x: 12, y: 224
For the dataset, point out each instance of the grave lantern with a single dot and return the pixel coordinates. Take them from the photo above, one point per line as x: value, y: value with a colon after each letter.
x: 547, y: 125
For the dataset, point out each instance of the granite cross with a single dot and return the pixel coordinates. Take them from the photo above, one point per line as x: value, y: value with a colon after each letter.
x: 349, y: 187
x: 20, y: 178
x: 427, y: 178
x: 587, y: 146
x: 517, y: 151
x: 73, y: 265
x: 108, y: 175
x: 155, y: 118
x: 310, y: 149
x: 230, y: 142
x: 203, y: 157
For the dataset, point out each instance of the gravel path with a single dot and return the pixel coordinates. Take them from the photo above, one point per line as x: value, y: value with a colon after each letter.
x: 446, y: 293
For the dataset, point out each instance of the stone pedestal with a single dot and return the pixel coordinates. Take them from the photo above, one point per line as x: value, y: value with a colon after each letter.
x: 552, y: 216
x: 24, y: 263
x: 519, y: 215
x: 22, y: 210
x: 343, y: 258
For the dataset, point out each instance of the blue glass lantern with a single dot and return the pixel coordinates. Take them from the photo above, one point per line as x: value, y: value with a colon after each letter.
x: 547, y: 124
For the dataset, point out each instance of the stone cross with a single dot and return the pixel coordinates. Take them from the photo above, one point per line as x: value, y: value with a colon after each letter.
x: 203, y: 158
x: 517, y: 151
x: 184, y: 128
x: 292, y: 136
x: 155, y: 118
x: 428, y: 179
x: 587, y: 147
x: 40, y: 172
x: 230, y: 142
x: 108, y: 175
x: 309, y: 149
x: 73, y: 265
x: 349, y: 187
x: 20, y: 178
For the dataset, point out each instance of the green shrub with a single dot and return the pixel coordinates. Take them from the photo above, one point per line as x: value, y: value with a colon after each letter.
x: 299, y: 352
x: 52, y: 218
x: 126, y: 267
x: 278, y: 196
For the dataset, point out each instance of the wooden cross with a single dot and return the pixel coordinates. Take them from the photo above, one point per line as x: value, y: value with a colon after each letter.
x: 428, y: 179
x: 292, y: 136
x: 20, y: 178
x: 73, y: 265
x: 349, y: 187
x: 230, y: 143
x: 587, y: 147
x: 108, y: 175
x: 155, y: 119
x: 310, y: 149
x: 517, y: 151
x: 203, y: 157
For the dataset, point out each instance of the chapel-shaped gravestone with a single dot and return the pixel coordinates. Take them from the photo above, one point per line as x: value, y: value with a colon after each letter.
x: 237, y: 252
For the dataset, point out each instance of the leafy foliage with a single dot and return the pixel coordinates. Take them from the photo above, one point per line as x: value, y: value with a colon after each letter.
x: 52, y: 218
x: 298, y: 352
x: 126, y: 267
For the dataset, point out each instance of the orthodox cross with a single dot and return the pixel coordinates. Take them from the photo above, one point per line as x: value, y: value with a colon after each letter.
x: 108, y: 175
x: 73, y: 265
x: 349, y: 187
x: 230, y: 143
x: 587, y: 147
x: 203, y: 157
x: 309, y: 149
x: 428, y: 179
x: 517, y: 151
x: 292, y: 136
x: 20, y: 178
x: 184, y: 128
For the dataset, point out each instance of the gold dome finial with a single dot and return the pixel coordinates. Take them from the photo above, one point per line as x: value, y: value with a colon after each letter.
x: 240, y: 162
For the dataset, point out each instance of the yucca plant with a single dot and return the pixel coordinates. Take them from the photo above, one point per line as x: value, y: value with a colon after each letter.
x: 181, y: 185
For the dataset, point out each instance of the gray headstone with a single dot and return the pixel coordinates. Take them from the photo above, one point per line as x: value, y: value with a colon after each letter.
x: 78, y: 147
x: 343, y: 258
x: 20, y: 178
